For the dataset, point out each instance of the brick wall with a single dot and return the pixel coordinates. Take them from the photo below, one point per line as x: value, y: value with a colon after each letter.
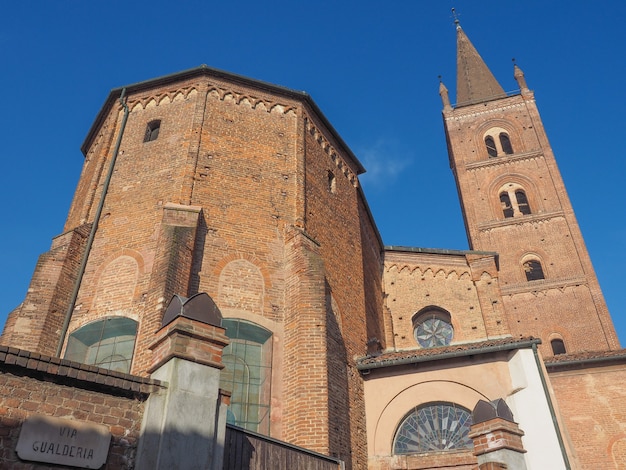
x: 592, y: 403
x: 36, y: 323
x: 333, y: 211
x: 466, y: 288
x: 34, y: 384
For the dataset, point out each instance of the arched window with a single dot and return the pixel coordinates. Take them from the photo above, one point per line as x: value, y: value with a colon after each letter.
x: 247, y: 374
x: 491, y: 146
x: 533, y: 270
x: 558, y: 346
x: 152, y: 130
x: 522, y: 202
x: 434, y: 427
x: 505, y: 143
x: 332, y: 182
x: 432, y: 327
x: 505, y: 202
x: 107, y: 343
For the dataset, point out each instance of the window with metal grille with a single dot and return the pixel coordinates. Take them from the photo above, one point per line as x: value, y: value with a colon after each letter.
x: 107, y: 343
x: 434, y: 427
x: 432, y: 327
x: 247, y: 374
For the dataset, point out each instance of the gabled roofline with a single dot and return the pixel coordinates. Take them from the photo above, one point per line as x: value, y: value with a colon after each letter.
x: 204, y: 70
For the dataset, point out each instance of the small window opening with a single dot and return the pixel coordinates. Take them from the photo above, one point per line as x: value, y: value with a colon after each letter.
x: 152, y: 130
x: 432, y: 327
x: 505, y: 202
x: 332, y: 182
x: 491, y: 146
x: 558, y: 346
x: 533, y: 270
x: 505, y: 142
x: 522, y: 202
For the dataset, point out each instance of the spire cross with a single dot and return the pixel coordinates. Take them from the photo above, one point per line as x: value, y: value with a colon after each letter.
x: 456, y: 18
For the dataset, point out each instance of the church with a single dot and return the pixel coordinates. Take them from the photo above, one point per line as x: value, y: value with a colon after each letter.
x: 220, y: 272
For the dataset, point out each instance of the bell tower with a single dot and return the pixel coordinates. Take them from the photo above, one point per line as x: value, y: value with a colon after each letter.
x: 514, y: 202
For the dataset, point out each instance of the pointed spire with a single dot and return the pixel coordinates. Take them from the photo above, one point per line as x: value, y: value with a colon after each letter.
x: 475, y: 82
x: 443, y: 92
x: 520, y: 79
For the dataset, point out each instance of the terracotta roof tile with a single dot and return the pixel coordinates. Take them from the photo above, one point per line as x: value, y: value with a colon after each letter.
x: 481, y: 347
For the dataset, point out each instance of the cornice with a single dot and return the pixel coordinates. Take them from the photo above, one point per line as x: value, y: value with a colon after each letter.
x: 482, y: 109
x: 525, y: 219
x: 543, y: 285
x: 505, y: 160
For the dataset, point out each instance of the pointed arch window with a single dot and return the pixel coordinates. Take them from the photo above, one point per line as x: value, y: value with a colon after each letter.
x: 434, y: 427
x: 491, y: 146
x: 505, y: 203
x: 505, y: 143
x: 522, y: 202
x: 107, y: 343
x: 558, y: 346
x: 152, y: 130
x: 247, y: 374
x: 533, y: 270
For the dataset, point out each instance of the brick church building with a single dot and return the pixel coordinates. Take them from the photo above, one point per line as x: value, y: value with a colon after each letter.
x: 219, y: 221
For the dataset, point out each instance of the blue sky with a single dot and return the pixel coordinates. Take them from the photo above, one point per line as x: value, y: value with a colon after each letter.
x: 371, y: 66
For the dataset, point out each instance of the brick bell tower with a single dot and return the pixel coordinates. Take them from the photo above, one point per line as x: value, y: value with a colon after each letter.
x: 514, y: 202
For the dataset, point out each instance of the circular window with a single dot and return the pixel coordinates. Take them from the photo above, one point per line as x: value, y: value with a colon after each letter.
x: 433, y: 328
x: 434, y: 427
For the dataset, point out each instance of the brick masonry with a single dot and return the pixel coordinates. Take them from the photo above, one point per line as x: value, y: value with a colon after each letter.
x: 233, y: 198
x: 31, y: 383
x: 568, y: 303
x: 592, y: 403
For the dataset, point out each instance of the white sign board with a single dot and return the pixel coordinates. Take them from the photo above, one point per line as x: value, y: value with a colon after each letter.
x: 63, y: 442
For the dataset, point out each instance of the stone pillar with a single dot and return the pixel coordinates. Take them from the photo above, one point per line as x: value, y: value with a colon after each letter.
x: 184, y: 426
x: 497, y: 439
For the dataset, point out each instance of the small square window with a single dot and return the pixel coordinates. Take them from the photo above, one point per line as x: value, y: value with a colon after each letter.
x: 152, y: 131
